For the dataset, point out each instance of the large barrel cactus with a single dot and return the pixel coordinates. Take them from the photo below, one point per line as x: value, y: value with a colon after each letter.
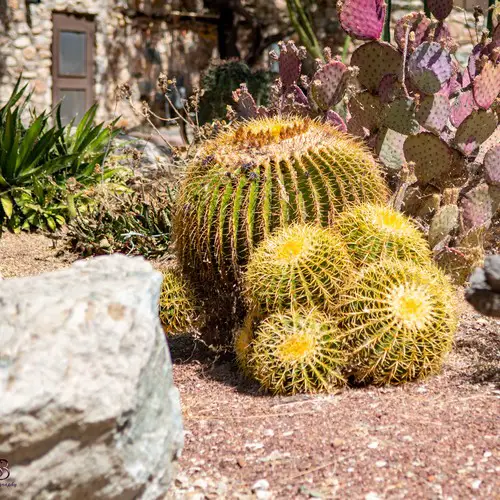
x: 260, y: 175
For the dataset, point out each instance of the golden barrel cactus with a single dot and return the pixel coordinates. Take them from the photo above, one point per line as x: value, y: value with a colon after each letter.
x: 299, y: 265
x: 296, y: 352
x: 261, y: 175
x: 375, y: 232
x: 398, y: 320
x: 178, y: 309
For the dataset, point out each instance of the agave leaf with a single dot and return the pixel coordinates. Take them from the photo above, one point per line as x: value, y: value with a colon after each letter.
x: 7, y: 204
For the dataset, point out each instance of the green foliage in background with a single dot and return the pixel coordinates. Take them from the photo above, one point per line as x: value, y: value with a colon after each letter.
x: 43, y: 167
x: 222, y: 79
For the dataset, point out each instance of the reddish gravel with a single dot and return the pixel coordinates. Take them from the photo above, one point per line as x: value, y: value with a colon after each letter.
x: 438, y: 439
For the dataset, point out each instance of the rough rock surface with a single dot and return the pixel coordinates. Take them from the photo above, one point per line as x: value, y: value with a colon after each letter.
x: 484, y: 290
x: 89, y: 409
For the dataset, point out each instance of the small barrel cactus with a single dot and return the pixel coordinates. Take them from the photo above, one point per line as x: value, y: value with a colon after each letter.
x: 261, y: 175
x: 374, y: 232
x: 178, y: 309
x: 302, y: 265
x: 295, y: 352
x: 399, y: 319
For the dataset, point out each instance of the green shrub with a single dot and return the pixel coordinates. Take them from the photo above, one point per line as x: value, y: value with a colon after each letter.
x: 37, y: 161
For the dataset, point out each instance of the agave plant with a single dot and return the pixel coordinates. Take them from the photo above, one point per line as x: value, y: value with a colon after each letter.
x: 37, y: 160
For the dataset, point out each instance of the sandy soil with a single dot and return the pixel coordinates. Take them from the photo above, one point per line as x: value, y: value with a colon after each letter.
x: 438, y: 439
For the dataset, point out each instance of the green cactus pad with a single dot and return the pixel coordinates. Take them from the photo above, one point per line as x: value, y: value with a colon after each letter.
x: 389, y: 148
x: 444, y: 222
x: 431, y: 155
x: 178, y: 309
x: 297, y: 352
x: 262, y: 175
x: 366, y: 112
x: 433, y: 112
x: 301, y: 265
x: 400, y: 116
x: 373, y: 232
x: 375, y: 60
x: 475, y: 129
x: 399, y: 319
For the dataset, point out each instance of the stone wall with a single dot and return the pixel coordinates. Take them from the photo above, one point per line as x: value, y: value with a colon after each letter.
x: 124, y: 38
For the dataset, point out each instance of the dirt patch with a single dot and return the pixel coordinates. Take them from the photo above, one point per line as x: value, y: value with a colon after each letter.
x: 434, y: 439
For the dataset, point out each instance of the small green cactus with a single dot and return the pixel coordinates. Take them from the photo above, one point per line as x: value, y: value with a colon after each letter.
x: 399, y: 319
x: 178, y: 309
x: 301, y: 265
x: 295, y: 352
x: 374, y: 232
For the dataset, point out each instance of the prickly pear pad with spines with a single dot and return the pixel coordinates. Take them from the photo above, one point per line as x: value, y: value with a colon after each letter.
x: 444, y: 222
x: 430, y: 67
x: 375, y: 60
x: 462, y: 107
x: 399, y: 115
x: 328, y: 84
x: 475, y: 130
x: 178, y: 309
x: 375, y: 232
x: 492, y: 166
x: 431, y: 155
x: 418, y: 24
x: 290, y: 63
x: 398, y: 319
x: 433, y: 112
x: 366, y: 112
x: 389, y: 148
x: 362, y: 19
x: 262, y: 175
x: 298, y: 352
x: 477, y: 208
x: 486, y: 86
x: 335, y: 120
x: 440, y: 9
x: 301, y: 265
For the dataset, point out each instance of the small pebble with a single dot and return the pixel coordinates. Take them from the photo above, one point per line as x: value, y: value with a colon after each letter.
x: 268, y: 433
x: 373, y: 445
x: 476, y: 484
x: 201, y: 484
x: 261, y: 484
x: 380, y: 463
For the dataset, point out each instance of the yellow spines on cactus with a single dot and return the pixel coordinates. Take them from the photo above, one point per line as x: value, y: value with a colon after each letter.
x: 300, y: 265
x: 243, y: 341
x: 263, y: 174
x: 297, y: 352
x: 398, y: 319
x: 374, y: 232
x: 178, y: 310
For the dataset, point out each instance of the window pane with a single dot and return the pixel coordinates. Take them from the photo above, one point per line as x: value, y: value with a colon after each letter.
x: 73, y: 103
x: 72, y: 53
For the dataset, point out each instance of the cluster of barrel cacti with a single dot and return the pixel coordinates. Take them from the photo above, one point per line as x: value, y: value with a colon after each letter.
x: 418, y: 109
x: 291, y: 217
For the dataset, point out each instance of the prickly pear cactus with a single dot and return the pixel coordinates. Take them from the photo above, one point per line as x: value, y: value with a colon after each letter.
x: 399, y: 319
x: 297, y: 352
x: 262, y: 175
x: 301, y: 265
x: 362, y: 19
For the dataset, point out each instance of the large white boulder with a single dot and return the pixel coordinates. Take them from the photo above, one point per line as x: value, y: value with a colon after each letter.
x: 88, y: 407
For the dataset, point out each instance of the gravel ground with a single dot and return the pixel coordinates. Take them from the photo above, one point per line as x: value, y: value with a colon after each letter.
x: 437, y: 439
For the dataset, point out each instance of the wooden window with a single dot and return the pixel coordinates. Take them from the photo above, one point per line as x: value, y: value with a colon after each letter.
x: 73, y: 65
